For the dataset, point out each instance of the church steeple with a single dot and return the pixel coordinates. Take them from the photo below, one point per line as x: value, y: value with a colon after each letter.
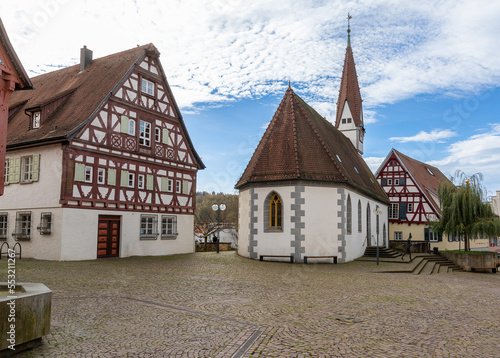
x: 349, y: 119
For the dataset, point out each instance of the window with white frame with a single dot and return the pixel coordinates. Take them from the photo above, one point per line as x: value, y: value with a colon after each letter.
x: 140, y: 181
x: 168, y: 226
x: 398, y: 235
x: 149, y: 227
x: 170, y: 185
x: 394, y: 211
x: 131, y: 179
x: 389, y: 181
x: 131, y: 127
x: 45, y: 226
x: 36, y: 120
x: 101, y: 176
x: 3, y: 226
x: 6, y: 171
x: 145, y: 133
x: 27, y: 169
x: 88, y: 174
x: 396, y: 181
x: 23, y: 225
x: 178, y: 186
x: 157, y: 134
x: 147, y: 87
x: 410, y: 207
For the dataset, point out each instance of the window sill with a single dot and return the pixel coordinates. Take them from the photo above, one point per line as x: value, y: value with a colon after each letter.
x: 274, y: 229
x: 149, y: 237
x: 169, y: 237
x: 22, y: 238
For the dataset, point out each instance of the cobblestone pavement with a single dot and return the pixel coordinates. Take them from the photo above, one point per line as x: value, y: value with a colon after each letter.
x: 223, y: 305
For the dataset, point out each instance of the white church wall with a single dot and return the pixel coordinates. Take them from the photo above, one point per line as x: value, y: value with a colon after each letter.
x: 244, y: 222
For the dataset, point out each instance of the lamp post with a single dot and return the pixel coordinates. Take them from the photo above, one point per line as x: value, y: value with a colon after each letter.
x: 218, y: 208
x: 378, y: 211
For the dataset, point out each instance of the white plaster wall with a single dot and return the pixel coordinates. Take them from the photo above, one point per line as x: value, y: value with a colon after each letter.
x: 45, y: 247
x: 80, y: 235
x: 321, y: 230
x: 43, y: 193
x: 243, y: 222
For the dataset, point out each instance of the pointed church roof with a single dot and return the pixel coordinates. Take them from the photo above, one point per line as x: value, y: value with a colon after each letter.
x: 349, y: 88
x: 299, y: 144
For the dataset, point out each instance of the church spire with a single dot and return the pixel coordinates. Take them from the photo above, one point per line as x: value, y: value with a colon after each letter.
x: 349, y: 118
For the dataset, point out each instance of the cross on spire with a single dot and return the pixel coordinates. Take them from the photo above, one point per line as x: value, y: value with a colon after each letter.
x: 349, y: 17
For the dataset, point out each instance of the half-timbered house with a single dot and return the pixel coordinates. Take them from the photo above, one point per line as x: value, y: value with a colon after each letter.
x: 12, y: 77
x: 306, y: 191
x: 99, y: 162
x: 412, y: 187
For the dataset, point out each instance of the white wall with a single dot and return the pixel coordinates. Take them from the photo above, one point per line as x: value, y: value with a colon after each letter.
x: 80, y: 235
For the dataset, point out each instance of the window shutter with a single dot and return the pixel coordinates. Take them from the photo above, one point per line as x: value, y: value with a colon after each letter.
x: 111, y: 176
x: 165, y: 134
x: 14, y: 170
x: 185, y: 187
x: 384, y: 181
x: 124, y: 178
x: 164, y: 184
x: 402, y: 181
x: 79, y: 172
x: 426, y: 234
x: 124, y: 124
x: 402, y: 211
x: 150, y: 182
x: 36, y: 167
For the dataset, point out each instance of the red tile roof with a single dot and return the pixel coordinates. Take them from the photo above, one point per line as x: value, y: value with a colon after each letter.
x: 426, y: 176
x: 299, y: 144
x: 83, y: 93
x: 349, y: 91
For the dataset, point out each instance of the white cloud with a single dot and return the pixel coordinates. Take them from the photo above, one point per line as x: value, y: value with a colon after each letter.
x: 373, y: 162
x: 479, y: 153
x: 436, y: 135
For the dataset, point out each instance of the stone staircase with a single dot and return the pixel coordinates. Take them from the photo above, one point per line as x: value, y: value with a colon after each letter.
x: 371, y: 251
x: 434, y: 264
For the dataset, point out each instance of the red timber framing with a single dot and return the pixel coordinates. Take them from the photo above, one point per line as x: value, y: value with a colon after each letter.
x: 400, y: 185
x: 134, y: 154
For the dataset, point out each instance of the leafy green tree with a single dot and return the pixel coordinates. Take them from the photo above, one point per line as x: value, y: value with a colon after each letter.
x: 464, y: 213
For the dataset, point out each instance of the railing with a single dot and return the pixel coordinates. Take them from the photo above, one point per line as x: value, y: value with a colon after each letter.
x: 6, y: 254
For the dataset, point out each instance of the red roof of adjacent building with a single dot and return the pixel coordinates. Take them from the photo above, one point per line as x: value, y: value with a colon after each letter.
x: 426, y: 176
x: 80, y: 94
x: 299, y: 144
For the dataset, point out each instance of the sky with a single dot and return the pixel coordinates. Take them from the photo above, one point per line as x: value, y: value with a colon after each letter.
x: 429, y: 71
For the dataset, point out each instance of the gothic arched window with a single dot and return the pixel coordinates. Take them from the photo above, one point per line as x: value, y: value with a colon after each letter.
x: 275, y: 212
x: 349, y: 215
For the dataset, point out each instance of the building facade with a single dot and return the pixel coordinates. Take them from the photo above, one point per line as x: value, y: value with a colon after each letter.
x: 412, y: 187
x: 99, y: 163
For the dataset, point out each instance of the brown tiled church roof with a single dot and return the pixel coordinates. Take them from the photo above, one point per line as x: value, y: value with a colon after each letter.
x: 82, y: 93
x: 349, y: 90
x: 299, y: 144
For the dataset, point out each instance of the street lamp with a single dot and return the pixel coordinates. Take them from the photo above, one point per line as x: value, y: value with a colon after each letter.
x: 378, y: 211
x: 218, y: 208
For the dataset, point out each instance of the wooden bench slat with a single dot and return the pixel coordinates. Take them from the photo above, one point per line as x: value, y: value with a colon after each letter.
x: 320, y: 257
x: 288, y: 256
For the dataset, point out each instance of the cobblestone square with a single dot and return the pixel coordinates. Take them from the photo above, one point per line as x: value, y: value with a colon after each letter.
x: 223, y: 305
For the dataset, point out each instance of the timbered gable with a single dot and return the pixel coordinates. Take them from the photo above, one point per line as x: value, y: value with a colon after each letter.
x: 411, y: 187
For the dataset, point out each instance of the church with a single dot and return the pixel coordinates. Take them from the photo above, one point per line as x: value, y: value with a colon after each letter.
x: 307, y: 192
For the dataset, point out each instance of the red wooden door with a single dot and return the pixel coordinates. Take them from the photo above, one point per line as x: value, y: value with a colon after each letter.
x: 108, y: 236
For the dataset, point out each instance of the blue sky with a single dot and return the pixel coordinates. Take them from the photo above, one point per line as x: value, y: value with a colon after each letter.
x: 428, y: 71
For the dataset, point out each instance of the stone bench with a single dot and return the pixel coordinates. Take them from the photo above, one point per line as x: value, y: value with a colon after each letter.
x: 320, y: 257
x: 261, y: 257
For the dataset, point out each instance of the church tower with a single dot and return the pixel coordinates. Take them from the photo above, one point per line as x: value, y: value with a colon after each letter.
x: 349, y: 119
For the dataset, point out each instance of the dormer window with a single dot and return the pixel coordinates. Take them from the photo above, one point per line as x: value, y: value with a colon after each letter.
x: 147, y: 87
x: 36, y: 120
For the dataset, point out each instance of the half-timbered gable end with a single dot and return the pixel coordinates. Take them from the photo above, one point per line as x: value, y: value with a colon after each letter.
x: 107, y: 139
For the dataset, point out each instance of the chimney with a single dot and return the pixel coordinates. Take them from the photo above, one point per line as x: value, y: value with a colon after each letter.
x: 85, y: 58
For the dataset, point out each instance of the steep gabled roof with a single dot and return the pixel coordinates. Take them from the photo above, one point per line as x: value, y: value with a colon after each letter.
x: 425, y: 176
x: 13, y: 61
x: 82, y: 94
x: 349, y: 90
x: 299, y: 144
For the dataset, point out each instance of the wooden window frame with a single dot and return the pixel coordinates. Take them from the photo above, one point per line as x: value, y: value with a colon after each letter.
x: 349, y: 215
x: 398, y: 236
x: 275, y: 212
x: 22, y: 231
x: 37, y: 120
x: 88, y: 174
x: 169, y: 227
x: 141, y: 181
x: 146, y: 85
x: 145, y: 133
x: 6, y: 171
x: 101, y: 176
x: 4, y: 224
x: 360, y: 217
x: 393, y: 211
x: 45, y: 227
x: 149, y: 227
